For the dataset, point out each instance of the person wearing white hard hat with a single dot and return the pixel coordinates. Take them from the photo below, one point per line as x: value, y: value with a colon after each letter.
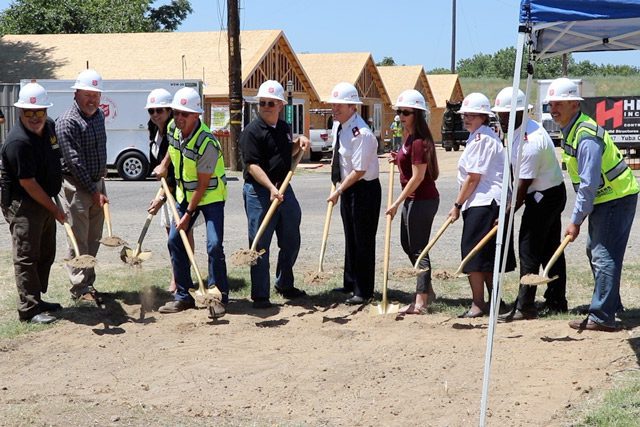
x: 396, y: 133
x: 158, y: 106
x: 606, y: 193
x: 542, y: 191
x: 354, y: 171
x: 200, y: 189
x: 480, y: 178
x: 419, y: 199
x: 83, y: 142
x: 267, y: 154
x: 30, y: 175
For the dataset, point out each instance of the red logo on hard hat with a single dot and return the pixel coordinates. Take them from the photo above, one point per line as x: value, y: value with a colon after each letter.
x: 466, y: 102
x: 551, y: 92
x: 94, y: 83
x: 32, y: 100
x: 335, y: 94
x: 152, y: 100
x: 497, y: 102
x: 400, y: 99
x: 271, y: 90
x: 183, y: 101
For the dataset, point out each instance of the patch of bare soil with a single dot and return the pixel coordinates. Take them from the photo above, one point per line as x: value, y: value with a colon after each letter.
x: 297, y: 365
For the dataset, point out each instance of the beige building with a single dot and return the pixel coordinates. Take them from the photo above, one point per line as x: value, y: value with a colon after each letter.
x: 167, y: 55
x: 445, y: 87
x: 399, y: 78
x: 325, y: 70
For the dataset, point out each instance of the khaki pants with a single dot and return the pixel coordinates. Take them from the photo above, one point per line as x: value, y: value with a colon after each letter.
x: 86, y: 220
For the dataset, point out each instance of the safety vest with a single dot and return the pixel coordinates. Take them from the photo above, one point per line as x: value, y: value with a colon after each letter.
x: 396, y: 129
x: 616, y: 178
x: 186, y: 167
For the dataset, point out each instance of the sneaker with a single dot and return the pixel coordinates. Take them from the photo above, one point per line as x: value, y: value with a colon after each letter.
x: 262, y: 303
x: 291, y: 293
x: 176, y: 306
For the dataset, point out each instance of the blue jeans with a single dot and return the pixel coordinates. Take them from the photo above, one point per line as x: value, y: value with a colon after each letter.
x: 214, y: 221
x: 609, y: 228
x: 286, y: 224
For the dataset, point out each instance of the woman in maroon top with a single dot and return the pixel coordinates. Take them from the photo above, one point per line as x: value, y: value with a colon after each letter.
x: 418, y: 165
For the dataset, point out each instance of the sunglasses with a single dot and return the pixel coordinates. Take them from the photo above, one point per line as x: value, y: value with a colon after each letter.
x: 404, y: 112
x: 155, y: 110
x: 38, y: 113
x: 178, y: 113
x: 268, y: 103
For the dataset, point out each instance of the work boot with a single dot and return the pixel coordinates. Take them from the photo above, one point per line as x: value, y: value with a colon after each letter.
x: 291, y: 293
x: 49, y: 306
x: 176, y: 306
x: 217, y: 309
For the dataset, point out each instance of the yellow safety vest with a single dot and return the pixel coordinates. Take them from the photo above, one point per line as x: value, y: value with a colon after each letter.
x: 616, y: 178
x: 186, y: 168
x: 396, y: 129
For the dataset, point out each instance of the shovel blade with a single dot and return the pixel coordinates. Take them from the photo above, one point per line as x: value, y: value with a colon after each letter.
x: 112, y: 241
x: 535, y: 280
x: 206, y: 296
x: 380, y: 308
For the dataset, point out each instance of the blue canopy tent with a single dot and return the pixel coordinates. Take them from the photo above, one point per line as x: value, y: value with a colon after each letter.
x: 550, y: 28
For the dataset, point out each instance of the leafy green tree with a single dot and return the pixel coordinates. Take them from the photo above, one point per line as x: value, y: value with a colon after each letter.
x: 439, y: 70
x: 479, y: 65
x: 91, y: 16
x: 386, y: 61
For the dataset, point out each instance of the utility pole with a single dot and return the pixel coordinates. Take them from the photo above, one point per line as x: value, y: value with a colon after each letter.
x: 564, y: 65
x: 235, y: 84
x: 453, y: 38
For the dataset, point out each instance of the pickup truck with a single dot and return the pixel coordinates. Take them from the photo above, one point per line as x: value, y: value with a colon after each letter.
x: 321, y: 143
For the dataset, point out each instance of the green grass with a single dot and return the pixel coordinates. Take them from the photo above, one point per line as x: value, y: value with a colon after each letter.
x: 620, y: 407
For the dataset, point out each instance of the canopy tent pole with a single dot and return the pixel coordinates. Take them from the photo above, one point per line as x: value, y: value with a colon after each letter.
x: 499, y: 264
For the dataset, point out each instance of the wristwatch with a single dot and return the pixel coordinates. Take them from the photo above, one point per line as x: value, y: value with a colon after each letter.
x: 457, y: 205
x: 188, y: 212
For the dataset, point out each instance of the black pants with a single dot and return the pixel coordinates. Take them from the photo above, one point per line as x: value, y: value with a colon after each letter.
x: 33, y: 231
x: 540, y: 231
x: 360, y: 210
x: 415, y: 229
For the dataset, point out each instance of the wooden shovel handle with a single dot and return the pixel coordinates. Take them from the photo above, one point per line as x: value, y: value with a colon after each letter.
x: 325, y: 231
x: 183, y: 235
x: 433, y: 241
x: 477, y: 248
x: 67, y: 228
x: 107, y: 218
x: 556, y: 255
x: 147, y: 222
x: 387, y: 239
x: 276, y: 202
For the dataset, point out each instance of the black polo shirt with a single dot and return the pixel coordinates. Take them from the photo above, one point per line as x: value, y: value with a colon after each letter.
x: 268, y: 147
x: 26, y: 155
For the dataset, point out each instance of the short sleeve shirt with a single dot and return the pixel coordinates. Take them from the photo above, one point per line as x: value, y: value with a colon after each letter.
x: 358, y: 149
x: 414, y: 152
x: 539, y: 161
x: 26, y: 155
x: 484, y: 155
x: 268, y: 147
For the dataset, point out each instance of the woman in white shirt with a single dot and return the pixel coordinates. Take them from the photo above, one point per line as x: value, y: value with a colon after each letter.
x: 480, y: 178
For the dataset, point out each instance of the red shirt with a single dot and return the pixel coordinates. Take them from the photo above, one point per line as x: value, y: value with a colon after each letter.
x: 414, y: 152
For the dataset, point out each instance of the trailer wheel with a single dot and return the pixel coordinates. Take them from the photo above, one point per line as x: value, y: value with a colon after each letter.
x: 133, y: 166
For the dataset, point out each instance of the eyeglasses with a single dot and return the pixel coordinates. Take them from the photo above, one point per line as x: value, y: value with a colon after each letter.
x: 268, y: 103
x: 155, y: 110
x: 404, y: 112
x: 38, y: 113
x: 178, y: 113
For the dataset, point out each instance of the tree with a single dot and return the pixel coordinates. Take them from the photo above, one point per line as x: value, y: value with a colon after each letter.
x: 91, y: 16
x: 386, y: 61
x: 439, y: 70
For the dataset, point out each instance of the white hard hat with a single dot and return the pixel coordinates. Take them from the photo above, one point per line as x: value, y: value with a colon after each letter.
x: 159, y: 98
x: 89, y: 80
x: 411, y: 98
x: 344, y: 93
x: 562, y: 89
x: 32, y: 96
x: 396, y: 118
x: 271, y: 89
x: 476, y: 103
x: 187, y: 99
x: 502, y: 103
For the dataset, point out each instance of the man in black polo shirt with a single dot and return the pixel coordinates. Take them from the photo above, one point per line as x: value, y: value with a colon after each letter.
x: 30, y: 175
x: 267, y: 150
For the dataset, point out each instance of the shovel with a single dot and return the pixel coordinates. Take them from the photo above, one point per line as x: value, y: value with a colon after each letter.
x: 534, y: 279
x: 384, y: 307
x: 209, y: 297
x: 320, y: 274
x: 250, y: 256
x: 475, y: 251
x: 110, y: 240
x: 79, y: 261
x: 136, y: 256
